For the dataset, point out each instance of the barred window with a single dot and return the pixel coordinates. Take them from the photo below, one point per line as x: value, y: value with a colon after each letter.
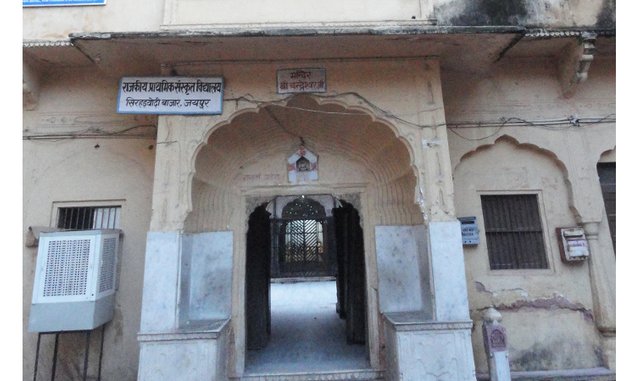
x: 514, y: 232
x: 607, y: 174
x: 88, y: 217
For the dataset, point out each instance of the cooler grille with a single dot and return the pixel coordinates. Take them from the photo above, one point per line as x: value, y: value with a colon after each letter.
x: 107, y: 268
x: 67, y: 267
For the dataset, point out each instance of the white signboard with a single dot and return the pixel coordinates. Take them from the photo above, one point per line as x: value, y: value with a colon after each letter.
x: 301, y: 81
x: 170, y: 95
x: 55, y: 3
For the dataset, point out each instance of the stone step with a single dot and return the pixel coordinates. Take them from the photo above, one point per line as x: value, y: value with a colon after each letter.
x: 351, y: 375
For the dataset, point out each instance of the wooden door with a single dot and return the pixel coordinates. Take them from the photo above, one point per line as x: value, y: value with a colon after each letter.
x: 258, y: 278
x: 350, y: 282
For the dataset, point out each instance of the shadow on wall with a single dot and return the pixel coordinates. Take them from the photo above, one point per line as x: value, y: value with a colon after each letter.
x: 607, y: 15
x: 484, y: 12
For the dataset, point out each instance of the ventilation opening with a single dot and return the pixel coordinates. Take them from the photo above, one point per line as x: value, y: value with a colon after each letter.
x: 89, y: 217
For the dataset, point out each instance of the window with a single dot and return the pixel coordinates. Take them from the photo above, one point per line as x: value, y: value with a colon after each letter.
x: 88, y: 217
x: 607, y: 174
x: 514, y: 232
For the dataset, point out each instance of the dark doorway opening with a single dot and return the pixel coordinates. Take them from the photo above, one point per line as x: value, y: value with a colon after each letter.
x: 296, y: 258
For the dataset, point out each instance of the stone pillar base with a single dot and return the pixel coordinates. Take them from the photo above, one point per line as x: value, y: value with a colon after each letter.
x: 609, y: 351
x: 427, y: 350
x: 193, y: 355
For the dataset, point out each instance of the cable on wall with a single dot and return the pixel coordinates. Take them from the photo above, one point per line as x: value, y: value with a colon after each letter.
x: 559, y: 123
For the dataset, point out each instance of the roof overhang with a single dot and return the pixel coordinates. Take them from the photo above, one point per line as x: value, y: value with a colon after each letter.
x: 459, y: 48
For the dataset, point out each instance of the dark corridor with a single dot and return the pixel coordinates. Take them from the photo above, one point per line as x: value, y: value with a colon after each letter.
x: 304, y: 243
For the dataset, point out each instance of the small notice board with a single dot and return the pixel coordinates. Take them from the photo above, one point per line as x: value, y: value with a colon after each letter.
x: 309, y: 80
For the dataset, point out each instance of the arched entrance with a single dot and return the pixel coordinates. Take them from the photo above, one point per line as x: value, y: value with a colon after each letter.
x: 195, y: 294
x: 305, y: 287
x: 244, y: 166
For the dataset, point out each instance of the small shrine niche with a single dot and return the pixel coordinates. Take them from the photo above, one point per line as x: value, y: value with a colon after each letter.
x: 302, y: 166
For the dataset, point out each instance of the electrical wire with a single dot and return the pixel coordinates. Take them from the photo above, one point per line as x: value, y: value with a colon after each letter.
x: 90, y: 133
x: 549, y: 124
x: 504, y: 122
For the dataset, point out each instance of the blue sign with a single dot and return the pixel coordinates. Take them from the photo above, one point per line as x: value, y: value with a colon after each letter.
x: 470, y: 232
x: 57, y: 3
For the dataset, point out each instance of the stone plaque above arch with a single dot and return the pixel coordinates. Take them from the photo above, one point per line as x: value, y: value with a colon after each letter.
x: 302, y: 166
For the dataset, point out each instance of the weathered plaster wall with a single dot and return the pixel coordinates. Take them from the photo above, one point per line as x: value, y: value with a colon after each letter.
x: 512, y: 168
x: 55, y: 23
x: 557, y: 163
x: 180, y: 12
x: 79, y: 171
x: 549, y: 13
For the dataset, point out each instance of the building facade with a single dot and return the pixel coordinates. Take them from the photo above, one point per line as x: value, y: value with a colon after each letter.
x: 394, y: 126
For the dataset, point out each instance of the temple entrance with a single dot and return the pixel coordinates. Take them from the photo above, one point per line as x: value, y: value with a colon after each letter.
x: 249, y: 179
x: 305, y: 287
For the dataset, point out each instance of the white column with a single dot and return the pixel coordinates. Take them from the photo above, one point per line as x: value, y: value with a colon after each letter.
x: 451, y: 302
x: 160, y: 287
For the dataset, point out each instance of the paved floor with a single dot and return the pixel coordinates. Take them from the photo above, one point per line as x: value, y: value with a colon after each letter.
x: 306, y: 333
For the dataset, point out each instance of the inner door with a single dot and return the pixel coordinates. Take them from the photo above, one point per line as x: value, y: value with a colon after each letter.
x: 258, y: 278
x: 350, y: 279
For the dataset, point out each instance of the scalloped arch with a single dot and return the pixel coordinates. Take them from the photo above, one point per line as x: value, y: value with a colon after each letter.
x: 390, y: 168
x: 506, y: 138
x: 606, y: 152
x: 320, y: 101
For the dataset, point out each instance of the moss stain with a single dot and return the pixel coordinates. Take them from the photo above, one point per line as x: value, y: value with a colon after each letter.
x: 490, y: 12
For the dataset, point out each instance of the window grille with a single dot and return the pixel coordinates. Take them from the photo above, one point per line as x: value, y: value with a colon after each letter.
x: 303, y: 241
x: 299, y: 241
x: 514, y: 232
x: 89, y: 217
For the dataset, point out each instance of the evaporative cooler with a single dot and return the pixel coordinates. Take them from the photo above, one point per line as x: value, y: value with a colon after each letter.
x: 75, y: 280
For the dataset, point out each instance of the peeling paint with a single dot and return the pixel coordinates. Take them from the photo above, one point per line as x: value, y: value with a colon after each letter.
x: 557, y: 302
x: 481, y: 288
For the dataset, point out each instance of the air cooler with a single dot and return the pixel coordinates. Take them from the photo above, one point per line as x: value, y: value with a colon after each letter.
x: 75, y: 279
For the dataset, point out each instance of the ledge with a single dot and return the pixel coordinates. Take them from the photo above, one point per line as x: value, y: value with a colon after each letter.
x: 301, y: 29
x: 589, y: 374
x: 420, y: 321
x: 201, y: 331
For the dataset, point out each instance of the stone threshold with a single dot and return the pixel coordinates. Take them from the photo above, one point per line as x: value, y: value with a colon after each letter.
x: 348, y: 375
x: 303, y: 279
x: 590, y: 374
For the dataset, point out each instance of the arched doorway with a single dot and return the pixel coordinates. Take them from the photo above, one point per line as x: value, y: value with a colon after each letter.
x: 308, y: 265
x: 361, y: 161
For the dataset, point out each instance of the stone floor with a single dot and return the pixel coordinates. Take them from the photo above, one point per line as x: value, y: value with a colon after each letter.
x: 306, y: 333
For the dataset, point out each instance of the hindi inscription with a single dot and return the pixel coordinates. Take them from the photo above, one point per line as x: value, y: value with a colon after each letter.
x: 301, y: 81
x: 170, y: 95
